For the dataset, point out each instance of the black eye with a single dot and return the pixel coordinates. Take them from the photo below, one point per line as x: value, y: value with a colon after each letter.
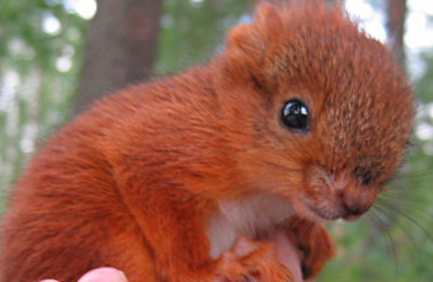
x: 295, y: 115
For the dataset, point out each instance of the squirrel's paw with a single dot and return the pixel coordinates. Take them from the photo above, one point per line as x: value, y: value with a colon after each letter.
x: 250, y: 261
x: 315, y: 243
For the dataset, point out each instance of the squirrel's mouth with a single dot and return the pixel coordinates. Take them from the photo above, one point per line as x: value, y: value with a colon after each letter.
x: 325, y: 214
x: 331, y: 215
x: 330, y: 211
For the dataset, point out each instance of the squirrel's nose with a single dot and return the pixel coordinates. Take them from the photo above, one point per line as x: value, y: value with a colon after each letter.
x: 354, y: 206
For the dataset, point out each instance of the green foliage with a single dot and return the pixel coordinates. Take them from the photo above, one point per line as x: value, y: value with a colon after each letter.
x: 36, y: 93
x: 424, y: 85
x: 192, y: 31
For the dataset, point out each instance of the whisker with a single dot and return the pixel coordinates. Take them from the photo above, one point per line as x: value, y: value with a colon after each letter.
x: 409, y: 235
x: 413, y: 175
x: 409, y: 218
x: 395, y: 195
x: 385, y: 228
x: 418, y: 210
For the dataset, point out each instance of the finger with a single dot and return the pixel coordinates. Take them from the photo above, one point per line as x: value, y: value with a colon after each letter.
x: 104, y: 274
x: 288, y: 253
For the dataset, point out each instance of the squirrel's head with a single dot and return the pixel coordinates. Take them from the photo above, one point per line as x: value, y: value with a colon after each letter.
x: 320, y: 111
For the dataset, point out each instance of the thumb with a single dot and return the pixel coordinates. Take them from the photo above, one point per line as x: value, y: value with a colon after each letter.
x: 104, y: 274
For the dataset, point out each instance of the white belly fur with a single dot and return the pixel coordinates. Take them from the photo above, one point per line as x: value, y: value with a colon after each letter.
x: 250, y: 217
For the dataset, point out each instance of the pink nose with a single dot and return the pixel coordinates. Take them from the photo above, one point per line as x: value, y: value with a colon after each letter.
x: 355, y: 206
x: 356, y: 200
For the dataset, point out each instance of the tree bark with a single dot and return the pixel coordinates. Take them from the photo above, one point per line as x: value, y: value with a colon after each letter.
x: 396, y: 16
x: 121, y: 47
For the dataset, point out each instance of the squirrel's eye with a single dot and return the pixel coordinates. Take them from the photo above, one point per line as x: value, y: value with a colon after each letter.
x: 295, y: 115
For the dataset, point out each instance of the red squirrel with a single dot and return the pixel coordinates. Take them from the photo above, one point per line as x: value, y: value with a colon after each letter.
x: 301, y: 119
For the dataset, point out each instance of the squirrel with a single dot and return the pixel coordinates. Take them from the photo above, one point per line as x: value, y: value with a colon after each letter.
x: 301, y: 119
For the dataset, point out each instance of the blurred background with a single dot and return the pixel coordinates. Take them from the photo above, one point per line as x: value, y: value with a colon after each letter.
x: 56, y: 56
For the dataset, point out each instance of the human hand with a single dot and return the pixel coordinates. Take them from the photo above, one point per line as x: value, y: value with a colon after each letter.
x: 288, y: 253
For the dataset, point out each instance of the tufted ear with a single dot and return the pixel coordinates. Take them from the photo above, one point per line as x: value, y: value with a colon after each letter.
x: 255, y: 38
x: 249, y: 45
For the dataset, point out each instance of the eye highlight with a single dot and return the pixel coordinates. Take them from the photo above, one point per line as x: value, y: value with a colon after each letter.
x: 295, y: 115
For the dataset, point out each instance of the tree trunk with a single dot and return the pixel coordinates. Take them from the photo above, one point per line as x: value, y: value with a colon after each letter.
x: 396, y: 15
x: 121, y: 47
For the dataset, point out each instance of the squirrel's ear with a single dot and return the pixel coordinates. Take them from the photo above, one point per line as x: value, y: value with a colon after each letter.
x: 257, y: 36
x: 248, y: 45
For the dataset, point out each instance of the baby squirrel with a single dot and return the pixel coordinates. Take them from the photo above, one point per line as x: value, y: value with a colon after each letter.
x: 301, y: 119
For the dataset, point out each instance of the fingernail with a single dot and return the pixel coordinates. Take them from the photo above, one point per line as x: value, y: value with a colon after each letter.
x: 104, y: 274
x: 121, y: 277
x: 49, y: 280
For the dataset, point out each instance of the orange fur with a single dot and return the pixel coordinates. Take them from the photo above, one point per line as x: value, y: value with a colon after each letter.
x: 135, y: 182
